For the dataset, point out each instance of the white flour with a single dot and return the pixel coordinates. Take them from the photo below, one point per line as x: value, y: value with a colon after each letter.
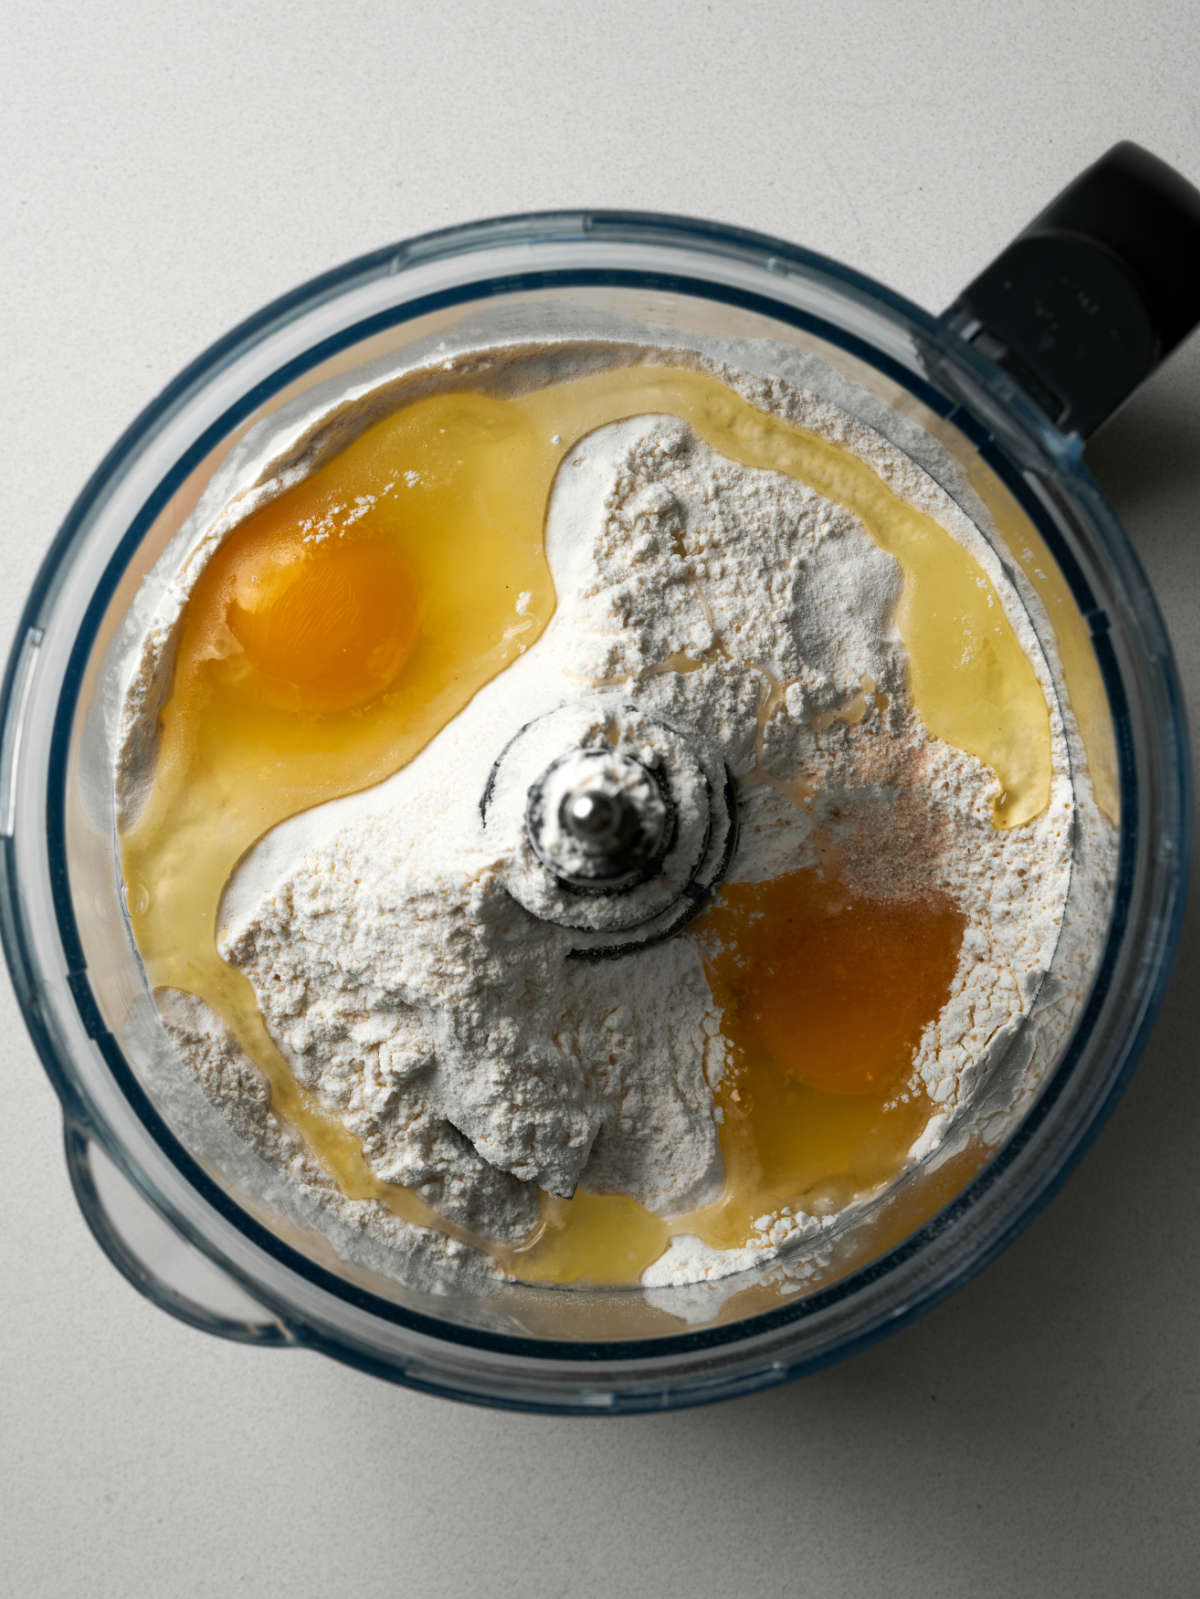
x: 446, y: 1027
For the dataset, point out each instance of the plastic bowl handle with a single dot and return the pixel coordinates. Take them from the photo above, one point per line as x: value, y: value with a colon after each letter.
x: 156, y: 1237
x: 1095, y: 293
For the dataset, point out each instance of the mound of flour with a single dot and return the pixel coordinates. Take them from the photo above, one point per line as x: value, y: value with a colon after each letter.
x: 445, y: 1027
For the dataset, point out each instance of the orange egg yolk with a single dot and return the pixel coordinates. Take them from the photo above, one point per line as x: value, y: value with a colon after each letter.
x: 327, y: 626
x: 832, y: 988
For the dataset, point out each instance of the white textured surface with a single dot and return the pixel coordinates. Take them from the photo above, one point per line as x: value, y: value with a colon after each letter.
x: 166, y: 170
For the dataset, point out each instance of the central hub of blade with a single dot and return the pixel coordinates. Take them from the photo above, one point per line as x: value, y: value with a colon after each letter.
x: 599, y: 819
x: 618, y: 826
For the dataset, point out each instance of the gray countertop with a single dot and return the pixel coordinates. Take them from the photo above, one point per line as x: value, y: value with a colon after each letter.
x: 168, y: 169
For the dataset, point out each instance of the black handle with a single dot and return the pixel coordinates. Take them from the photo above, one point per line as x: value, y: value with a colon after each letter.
x: 1097, y: 290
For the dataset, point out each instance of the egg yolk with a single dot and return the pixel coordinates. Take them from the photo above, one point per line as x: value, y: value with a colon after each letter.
x: 832, y: 988
x: 326, y: 626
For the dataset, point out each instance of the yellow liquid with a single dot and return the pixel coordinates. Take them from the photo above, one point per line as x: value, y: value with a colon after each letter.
x: 415, y: 543
x: 824, y: 998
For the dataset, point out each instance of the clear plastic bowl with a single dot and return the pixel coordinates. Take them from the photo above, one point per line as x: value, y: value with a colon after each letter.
x: 263, y: 1272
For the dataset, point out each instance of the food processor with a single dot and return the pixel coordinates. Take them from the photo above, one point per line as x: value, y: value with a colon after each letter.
x: 994, y: 400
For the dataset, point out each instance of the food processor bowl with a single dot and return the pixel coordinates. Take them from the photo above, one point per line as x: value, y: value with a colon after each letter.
x: 181, y: 1207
